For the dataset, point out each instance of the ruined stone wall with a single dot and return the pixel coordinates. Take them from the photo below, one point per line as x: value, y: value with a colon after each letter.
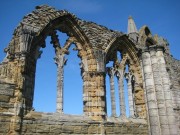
x: 173, y: 68
x: 174, y: 72
x: 152, y: 76
x: 89, y: 128
x: 55, y: 123
x: 41, y: 123
x: 6, y: 106
x: 67, y: 124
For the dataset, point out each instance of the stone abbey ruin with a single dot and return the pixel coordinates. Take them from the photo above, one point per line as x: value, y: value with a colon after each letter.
x: 152, y: 75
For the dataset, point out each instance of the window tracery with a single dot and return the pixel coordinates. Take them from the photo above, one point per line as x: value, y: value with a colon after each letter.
x: 122, y: 71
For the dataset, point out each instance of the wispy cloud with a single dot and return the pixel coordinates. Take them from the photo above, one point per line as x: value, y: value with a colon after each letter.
x: 83, y: 6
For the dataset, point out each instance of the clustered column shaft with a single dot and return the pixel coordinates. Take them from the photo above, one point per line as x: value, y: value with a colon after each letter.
x: 121, y: 92
x: 60, y: 60
x: 160, y: 93
x: 167, y: 93
x: 113, y: 102
x: 120, y: 75
x: 159, y: 98
x: 151, y: 96
x: 130, y: 95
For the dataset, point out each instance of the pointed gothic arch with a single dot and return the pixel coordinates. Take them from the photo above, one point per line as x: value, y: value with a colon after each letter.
x: 147, y: 77
x: 129, y: 56
x: 29, y: 37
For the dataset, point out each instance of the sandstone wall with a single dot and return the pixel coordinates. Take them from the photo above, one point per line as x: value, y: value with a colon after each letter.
x: 155, y: 85
x: 41, y: 123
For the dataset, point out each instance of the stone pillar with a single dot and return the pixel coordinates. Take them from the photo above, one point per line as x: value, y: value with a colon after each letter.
x: 60, y: 61
x: 130, y: 95
x: 159, y: 93
x: 112, y: 89
x: 167, y: 93
x: 145, y: 95
x: 120, y: 76
x: 150, y: 94
x: 94, y: 95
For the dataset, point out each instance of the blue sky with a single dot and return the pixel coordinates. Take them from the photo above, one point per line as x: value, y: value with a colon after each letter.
x: 162, y: 17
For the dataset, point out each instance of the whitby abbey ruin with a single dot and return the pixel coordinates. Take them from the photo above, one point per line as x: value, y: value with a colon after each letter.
x: 138, y: 57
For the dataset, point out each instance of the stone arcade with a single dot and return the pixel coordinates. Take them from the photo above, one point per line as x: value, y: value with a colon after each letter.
x: 152, y: 75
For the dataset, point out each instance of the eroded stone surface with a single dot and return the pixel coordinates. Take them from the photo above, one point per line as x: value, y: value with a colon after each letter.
x: 152, y: 76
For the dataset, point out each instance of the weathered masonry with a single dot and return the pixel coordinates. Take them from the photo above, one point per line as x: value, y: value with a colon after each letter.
x: 138, y: 57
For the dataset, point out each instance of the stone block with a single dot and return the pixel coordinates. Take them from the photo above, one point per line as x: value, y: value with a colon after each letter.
x: 149, y: 81
x: 163, y: 120
x: 93, y: 130
x: 130, y: 130
x: 154, y: 120
x: 84, y: 129
x: 56, y: 129
x: 31, y: 128
x: 67, y: 129
x: 155, y: 130
x: 4, y: 98
x: 147, y: 69
x: 42, y: 128
x: 117, y: 130
x: 24, y: 128
x: 6, y: 105
x: 153, y: 112
x: 77, y: 129
x: 124, y: 130
x: 109, y: 130
x: 4, y: 127
x: 7, y: 92
x: 17, y: 127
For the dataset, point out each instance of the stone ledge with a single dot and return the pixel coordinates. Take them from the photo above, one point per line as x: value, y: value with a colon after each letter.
x: 89, y: 128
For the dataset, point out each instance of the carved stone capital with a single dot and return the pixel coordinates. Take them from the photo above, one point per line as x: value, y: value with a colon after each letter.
x: 60, y: 60
x: 110, y: 71
x: 120, y: 73
x: 128, y: 76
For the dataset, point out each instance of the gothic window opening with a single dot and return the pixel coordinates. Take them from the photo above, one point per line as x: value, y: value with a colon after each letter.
x: 73, y: 89
x: 126, y: 92
x: 112, y: 102
x: 119, y: 93
x: 62, y: 37
x: 129, y: 93
x: 126, y: 97
x: 69, y: 84
x: 58, y: 78
x: 45, y: 82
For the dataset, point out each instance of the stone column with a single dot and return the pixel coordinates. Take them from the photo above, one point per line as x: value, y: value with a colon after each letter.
x: 130, y: 95
x: 111, y: 73
x: 167, y: 93
x: 60, y: 61
x: 120, y: 76
x: 145, y: 95
x: 150, y: 94
x: 94, y: 95
x: 159, y: 93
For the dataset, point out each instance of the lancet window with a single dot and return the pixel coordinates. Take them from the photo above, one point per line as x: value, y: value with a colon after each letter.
x: 60, y: 60
x: 61, y: 52
x: 122, y: 71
